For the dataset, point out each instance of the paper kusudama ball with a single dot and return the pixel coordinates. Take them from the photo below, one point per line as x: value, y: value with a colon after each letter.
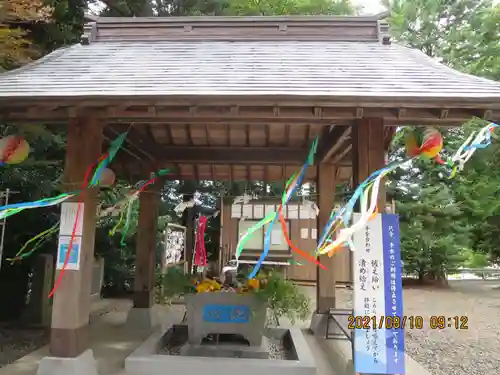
x: 427, y: 143
x: 13, y: 149
x: 107, y: 177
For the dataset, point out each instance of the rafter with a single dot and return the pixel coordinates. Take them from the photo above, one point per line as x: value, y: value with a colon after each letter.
x: 233, y: 155
x: 331, y: 141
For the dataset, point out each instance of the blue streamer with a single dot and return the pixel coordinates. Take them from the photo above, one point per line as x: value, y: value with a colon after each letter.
x: 267, y: 238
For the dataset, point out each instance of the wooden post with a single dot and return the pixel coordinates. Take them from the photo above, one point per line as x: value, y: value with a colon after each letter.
x: 368, y: 153
x: 70, y: 312
x: 145, y: 270
x: 325, y: 279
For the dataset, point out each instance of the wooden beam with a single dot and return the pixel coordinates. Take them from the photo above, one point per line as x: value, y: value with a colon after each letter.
x: 330, y: 141
x: 247, y: 114
x: 234, y: 155
x: 346, y: 148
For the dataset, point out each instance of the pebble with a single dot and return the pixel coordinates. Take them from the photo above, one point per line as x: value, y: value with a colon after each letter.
x: 450, y: 351
x: 276, y: 350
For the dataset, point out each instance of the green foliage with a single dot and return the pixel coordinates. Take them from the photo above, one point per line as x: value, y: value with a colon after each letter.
x: 174, y: 283
x: 442, y: 218
x: 284, y: 298
x: 477, y: 260
x: 227, y: 7
x: 434, y: 233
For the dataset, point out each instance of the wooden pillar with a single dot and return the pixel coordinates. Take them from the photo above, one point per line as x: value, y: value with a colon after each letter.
x: 368, y: 153
x: 368, y: 156
x: 145, y: 262
x: 71, y: 308
x: 325, y: 279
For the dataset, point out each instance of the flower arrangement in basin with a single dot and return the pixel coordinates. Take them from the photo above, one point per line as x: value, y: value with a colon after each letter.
x: 269, y: 288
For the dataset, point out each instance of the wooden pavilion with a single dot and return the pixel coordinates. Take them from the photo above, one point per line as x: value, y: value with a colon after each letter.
x: 236, y: 98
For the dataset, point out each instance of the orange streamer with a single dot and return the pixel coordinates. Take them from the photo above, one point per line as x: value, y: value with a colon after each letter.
x: 292, y: 246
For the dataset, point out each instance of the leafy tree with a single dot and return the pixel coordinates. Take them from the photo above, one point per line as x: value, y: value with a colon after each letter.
x: 434, y: 233
x: 464, y: 35
x: 15, y: 46
x: 226, y: 7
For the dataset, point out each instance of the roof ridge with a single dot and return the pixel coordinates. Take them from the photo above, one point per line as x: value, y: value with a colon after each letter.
x: 332, y: 28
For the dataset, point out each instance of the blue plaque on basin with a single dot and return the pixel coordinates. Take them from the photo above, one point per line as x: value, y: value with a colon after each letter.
x: 226, y: 313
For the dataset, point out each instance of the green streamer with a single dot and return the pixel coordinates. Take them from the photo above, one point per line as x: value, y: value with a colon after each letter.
x: 126, y: 227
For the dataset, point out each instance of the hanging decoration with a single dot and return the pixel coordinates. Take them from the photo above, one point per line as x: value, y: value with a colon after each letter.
x: 328, y: 245
x: 426, y: 143
x: 14, y: 149
x: 290, y: 188
x: 127, y: 204
x: 200, y: 252
x: 113, y: 148
x: 108, y: 178
x: 36, y: 241
x: 479, y: 140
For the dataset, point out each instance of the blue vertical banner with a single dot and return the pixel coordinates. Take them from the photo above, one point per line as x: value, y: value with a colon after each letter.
x: 395, y: 347
x: 378, y: 297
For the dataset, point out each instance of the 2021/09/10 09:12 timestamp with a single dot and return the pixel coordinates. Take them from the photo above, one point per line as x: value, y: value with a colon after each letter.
x: 459, y: 322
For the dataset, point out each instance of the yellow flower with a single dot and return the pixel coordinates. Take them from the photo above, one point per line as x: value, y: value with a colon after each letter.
x: 254, y: 283
x: 200, y: 288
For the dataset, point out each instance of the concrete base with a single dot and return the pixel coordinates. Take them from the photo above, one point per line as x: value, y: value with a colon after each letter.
x: 318, y: 324
x: 339, y: 353
x: 143, y: 319
x: 84, y: 364
x: 227, y: 351
x: 146, y: 360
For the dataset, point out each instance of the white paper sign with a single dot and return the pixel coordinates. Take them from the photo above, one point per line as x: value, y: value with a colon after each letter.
x: 276, y: 236
x: 74, y: 255
x: 247, y: 211
x: 293, y: 211
x: 269, y: 208
x: 304, y: 233
x: 258, y: 211
x: 304, y: 212
x: 68, y: 218
x: 236, y: 211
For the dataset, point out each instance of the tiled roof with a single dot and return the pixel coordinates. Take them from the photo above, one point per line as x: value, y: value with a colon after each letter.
x: 284, y: 68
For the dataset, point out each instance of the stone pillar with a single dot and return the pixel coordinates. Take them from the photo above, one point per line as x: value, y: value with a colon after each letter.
x: 142, y: 316
x: 69, y: 351
x: 325, y: 279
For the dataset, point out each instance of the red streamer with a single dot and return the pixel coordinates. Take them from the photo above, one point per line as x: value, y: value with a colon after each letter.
x: 291, y: 245
x: 75, y: 225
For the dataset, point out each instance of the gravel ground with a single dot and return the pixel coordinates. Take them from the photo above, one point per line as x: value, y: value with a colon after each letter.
x: 276, y: 349
x: 16, y: 342
x: 453, y: 352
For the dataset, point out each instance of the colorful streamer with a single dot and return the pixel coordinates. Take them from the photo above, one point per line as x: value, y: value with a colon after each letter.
x: 128, y: 219
x: 290, y: 188
x: 481, y: 140
x: 327, y: 245
x: 39, y: 239
x: 112, y: 150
